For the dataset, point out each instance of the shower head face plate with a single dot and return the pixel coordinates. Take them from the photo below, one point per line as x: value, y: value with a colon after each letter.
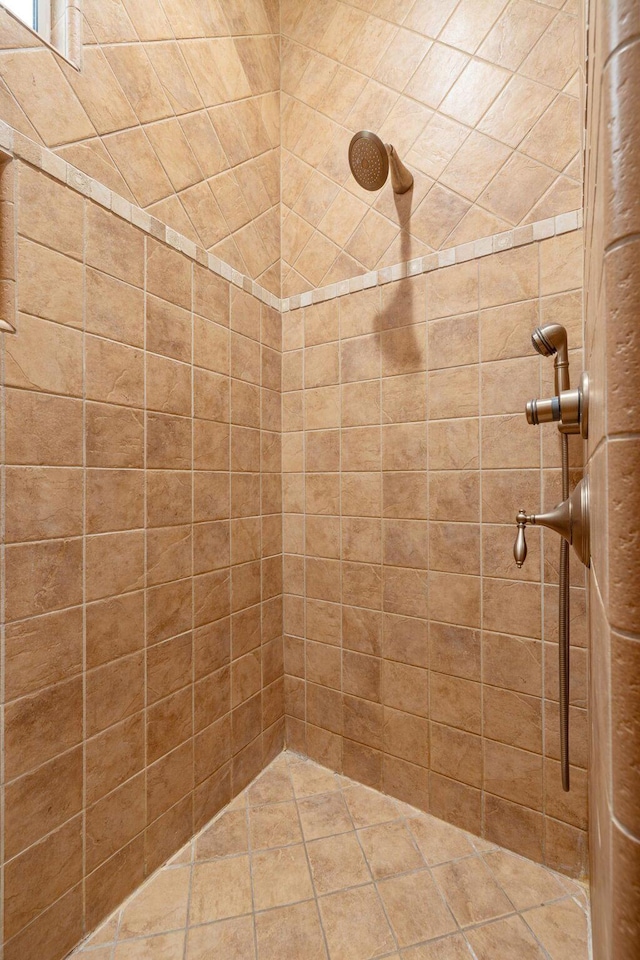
x: 543, y: 346
x: 369, y: 160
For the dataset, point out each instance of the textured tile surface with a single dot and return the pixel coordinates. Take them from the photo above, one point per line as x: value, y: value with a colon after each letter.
x: 480, y: 99
x: 611, y: 338
x: 417, y: 657
x: 143, y: 538
x: 366, y: 889
x: 176, y: 109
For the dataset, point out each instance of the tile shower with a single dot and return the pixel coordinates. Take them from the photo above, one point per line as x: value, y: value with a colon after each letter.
x: 263, y: 446
x: 417, y: 658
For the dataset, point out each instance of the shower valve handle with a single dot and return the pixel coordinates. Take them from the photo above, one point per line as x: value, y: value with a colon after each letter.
x: 570, y: 519
x: 520, y: 546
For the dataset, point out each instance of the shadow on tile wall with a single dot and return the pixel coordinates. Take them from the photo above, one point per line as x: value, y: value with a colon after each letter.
x: 143, y: 504
x: 481, y: 99
x: 177, y: 108
x: 418, y: 659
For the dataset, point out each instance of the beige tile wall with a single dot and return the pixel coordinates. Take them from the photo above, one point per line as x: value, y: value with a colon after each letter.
x: 612, y: 346
x: 142, y: 501
x: 142, y: 565
x: 480, y: 98
x: 176, y: 108
x: 418, y: 659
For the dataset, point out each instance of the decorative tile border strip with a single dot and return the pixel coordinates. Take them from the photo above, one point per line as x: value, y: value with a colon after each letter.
x: 15, y: 144
x: 518, y: 237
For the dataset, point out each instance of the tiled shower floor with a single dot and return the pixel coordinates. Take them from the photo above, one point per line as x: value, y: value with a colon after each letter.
x: 307, y: 865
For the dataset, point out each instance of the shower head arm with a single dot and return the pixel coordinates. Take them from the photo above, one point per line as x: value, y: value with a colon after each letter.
x: 401, y: 178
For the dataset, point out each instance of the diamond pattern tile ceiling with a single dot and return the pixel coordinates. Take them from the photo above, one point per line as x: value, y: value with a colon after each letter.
x: 176, y: 108
x: 230, y: 121
x: 480, y: 98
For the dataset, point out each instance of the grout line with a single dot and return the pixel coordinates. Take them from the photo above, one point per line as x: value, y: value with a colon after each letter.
x: 341, y: 784
x: 4, y: 172
x: 306, y: 853
x: 187, y: 925
x: 84, y: 567
x: 250, y: 856
x: 303, y: 522
x: 193, y: 589
x: 402, y: 25
x: 373, y: 879
x: 483, y: 792
x: 13, y: 143
x: 145, y: 583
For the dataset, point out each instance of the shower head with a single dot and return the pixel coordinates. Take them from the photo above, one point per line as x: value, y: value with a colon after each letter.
x: 370, y: 160
x: 551, y: 340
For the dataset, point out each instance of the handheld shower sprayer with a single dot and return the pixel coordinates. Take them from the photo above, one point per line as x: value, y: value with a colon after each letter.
x: 549, y: 341
x: 371, y: 160
x: 569, y: 409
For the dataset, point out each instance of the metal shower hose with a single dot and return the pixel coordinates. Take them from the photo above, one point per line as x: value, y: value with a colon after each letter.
x: 563, y: 629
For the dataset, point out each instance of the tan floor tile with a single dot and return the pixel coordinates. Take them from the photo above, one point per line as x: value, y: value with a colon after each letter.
x: 272, y: 787
x: 166, y: 946
x: 229, y: 939
x: 439, y: 841
x: 308, y: 779
x: 337, y: 862
x: 471, y: 891
x: 224, y: 838
x: 576, y: 888
x: 280, y: 877
x: 416, y: 908
x: 367, y: 807
x: 451, y: 948
x: 220, y: 889
x: 239, y: 802
x: 471, y: 880
x: 390, y: 849
x: 182, y: 856
x: 504, y: 940
x: 291, y: 933
x: 561, y: 928
x: 160, y: 906
x: 526, y: 884
x: 583, y: 899
x: 355, y: 925
x: 274, y: 825
x: 406, y: 810
x: 482, y: 845
x: 106, y: 933
x: 280, y: 764
x: 324, y: 815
